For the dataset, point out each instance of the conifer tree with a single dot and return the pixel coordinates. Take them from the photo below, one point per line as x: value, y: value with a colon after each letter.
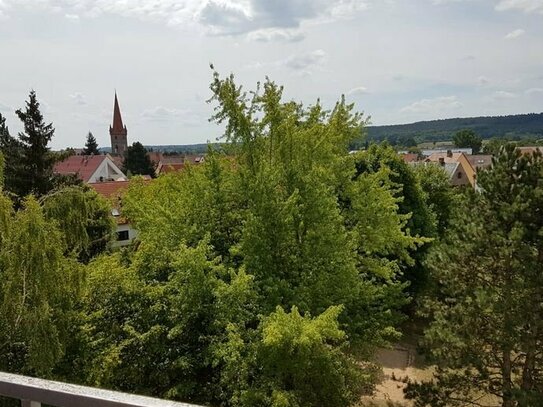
x: 12, y: 151
x: 137, y: 162
x: 487, y: 331
x: 37, y: 159
x: 91, y: 146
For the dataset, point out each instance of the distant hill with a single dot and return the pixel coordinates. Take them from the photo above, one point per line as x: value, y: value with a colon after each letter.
x: 512, y: 127
x: 173, y: 148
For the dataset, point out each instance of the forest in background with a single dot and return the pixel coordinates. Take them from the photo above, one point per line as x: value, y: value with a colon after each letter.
x: 270, y: 274
x: 511, y: 127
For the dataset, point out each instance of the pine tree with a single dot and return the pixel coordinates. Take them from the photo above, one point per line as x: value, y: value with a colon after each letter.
x: 37, y: 159
x: 91, y: 146
x: 487, y: 331
x: 137, y: 162
x: 12, y: 151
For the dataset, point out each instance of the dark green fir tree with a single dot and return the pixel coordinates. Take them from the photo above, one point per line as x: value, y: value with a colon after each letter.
x: 37, y: 159
x: 91, y: 146
x: 137, y: 162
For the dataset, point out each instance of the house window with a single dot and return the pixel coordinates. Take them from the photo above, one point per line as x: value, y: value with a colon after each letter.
x: 459, y: 175
x: 123, y: 235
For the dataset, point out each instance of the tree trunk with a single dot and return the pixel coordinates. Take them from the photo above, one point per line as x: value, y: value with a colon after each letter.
x: 507, y: 397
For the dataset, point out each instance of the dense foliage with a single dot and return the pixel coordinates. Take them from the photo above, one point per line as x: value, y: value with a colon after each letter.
x: 468, y: 139
x: 486, y: 333
x: 137, y: 162
x: 269, y: 274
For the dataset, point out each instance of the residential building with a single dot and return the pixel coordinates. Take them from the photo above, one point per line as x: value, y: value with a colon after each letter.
x: 90, y: 168
x: 457, y: 165
x: 113, y: 192
x: 480, y: 161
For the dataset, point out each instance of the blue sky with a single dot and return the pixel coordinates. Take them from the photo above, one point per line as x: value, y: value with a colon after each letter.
x: 398, y: 61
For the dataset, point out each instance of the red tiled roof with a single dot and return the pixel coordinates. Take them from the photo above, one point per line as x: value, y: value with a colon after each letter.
x: 167, y: 168
x: 448, y: 158
x: 410, y: 157
x: 111, y: 189
x: 172, y: 159
x: 118, y: 160
x: 155, y: 157
x: 480, y: 161
x: 530, y: 150
x: 82, y: 165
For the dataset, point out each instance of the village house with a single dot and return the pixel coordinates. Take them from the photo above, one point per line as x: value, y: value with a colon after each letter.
x: 90, y: 168
x: 480, y: 161
x: 175, y: 163
x: 113, y: 192
x: 457, y: 166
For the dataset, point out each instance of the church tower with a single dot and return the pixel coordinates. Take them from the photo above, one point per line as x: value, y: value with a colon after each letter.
x: 118, y: 132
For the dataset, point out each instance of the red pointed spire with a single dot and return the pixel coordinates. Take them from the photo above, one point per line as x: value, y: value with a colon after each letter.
x: 118, y: 127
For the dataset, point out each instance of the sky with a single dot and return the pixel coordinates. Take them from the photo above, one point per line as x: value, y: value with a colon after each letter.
x: 399, y: 61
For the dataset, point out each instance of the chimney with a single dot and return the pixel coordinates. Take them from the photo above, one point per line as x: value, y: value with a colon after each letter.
x: 449, y: 153
x: 442, y: 161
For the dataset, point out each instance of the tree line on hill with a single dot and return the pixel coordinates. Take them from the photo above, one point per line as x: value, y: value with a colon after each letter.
x: 269, y: 276
x: 512, y: 127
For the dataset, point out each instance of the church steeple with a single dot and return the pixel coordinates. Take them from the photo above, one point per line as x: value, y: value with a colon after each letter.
x: 118, y: 132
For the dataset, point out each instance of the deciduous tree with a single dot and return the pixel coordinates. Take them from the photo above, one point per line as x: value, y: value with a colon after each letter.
x: 468, y: 139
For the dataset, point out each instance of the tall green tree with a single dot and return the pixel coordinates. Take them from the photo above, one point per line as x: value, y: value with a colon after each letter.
x: 137, y: 162
x: 275, y: 233
x: 13, y: 158
x: 468, y: 139
x: 441, y: 197
x: 37, y: 159
x: 36, y: 292
x: 91, y: 145
x: 83, y: 217
x: 412, y: 202
x: 486, y: 333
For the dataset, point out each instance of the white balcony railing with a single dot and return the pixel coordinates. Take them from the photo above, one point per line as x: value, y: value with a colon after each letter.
x: 32, y: 392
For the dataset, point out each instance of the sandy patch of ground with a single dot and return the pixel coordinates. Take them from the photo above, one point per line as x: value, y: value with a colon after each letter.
x: 399, y: 364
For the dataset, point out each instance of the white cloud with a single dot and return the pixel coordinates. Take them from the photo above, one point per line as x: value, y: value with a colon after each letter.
x: 276, y: 34
x: 502, y: 94
x: 306, y: 61
x: 359, y: 90
x: 268, y: 20
x: 435, y: 105
x: 534, y: 91
x: 164, y: 114
x: 528, y: 6
x: 515, y: 34
x: 72, y: 17
x: 79, y: 99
